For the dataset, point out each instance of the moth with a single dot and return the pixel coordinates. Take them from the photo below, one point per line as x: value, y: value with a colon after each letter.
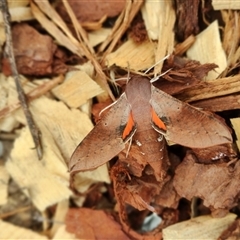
x: 150, y: 116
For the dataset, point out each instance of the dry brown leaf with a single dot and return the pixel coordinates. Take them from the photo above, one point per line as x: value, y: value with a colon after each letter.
x: 93, y: 224
x: 217, y: 184
x: 10, y: 231
x: 206, y: 51
x: 203, y: 227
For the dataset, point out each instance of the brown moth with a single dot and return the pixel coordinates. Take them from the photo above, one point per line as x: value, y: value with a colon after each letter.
x: 150, y: 115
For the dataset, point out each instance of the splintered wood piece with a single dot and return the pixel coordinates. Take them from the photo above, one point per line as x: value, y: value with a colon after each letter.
x: 98, y: 36
x: 236, y: 126
x: 165, y: 46
x: 133, y: 56
x: 121, y: 25
x: 227, y: 5
x: 14, y: 104
x: 181, y: 48
x: 206, y: 51
x: 82, y: 35
x: 212, y: 88
x: 159, y: 18
x: 10, y: 231
x: 4, y: 178
x: 219, y: 104
x: 77, y: 88
x: 203, y: 227
x: 59, y: 217
x: 231, y: 36
x: 36, y: 134
x: 33, y: 176
x: 67, y: 41
x: 19, y: 14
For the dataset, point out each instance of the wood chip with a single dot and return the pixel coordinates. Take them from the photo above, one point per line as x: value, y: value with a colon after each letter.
x: 4, y: 177
x: 77, y: 88
x: 45, y: 182
x: 134, y: 56
x: 236, y: 126
x: 206, y: 51
x: 203, y: 227
x: 10, y: 231
x: 19, y: 14
x: 63, y: 234
x: 230, y: 4
x: 213, y: 88
x: 219, y: 104
x: 98, y: 36
x: 59, y: 218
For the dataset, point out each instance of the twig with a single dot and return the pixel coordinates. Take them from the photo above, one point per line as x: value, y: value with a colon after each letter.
x: 36, y: 135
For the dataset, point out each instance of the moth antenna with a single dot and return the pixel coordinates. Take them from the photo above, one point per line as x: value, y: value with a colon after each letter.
x: 129, y: 146
x: 156, y: 64
x: 110, y: 105
x: 157, y: 77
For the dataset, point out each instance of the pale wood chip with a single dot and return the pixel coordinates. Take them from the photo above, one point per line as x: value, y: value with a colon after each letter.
x: 208, y: 49
x: 98, y: 36
x: 77, y: 88
x: 135, y: 56
x: 159, y: 18
x: 10, y: 231
x: 225, y: 4
x: 213, y: 88
x: 8, y: 123
x: 45, y: 182
x: 4, y: 177
x: 236, y: 126
x: 63, y: 234
x: 59, y: 218
x: 203, y: 227
x: 151, y: 12
x: 62, y: 130
x: 165, y: 46
x: 19, y: 14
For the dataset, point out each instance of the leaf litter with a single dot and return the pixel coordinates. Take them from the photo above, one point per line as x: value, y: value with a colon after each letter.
x: 53, y: 46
